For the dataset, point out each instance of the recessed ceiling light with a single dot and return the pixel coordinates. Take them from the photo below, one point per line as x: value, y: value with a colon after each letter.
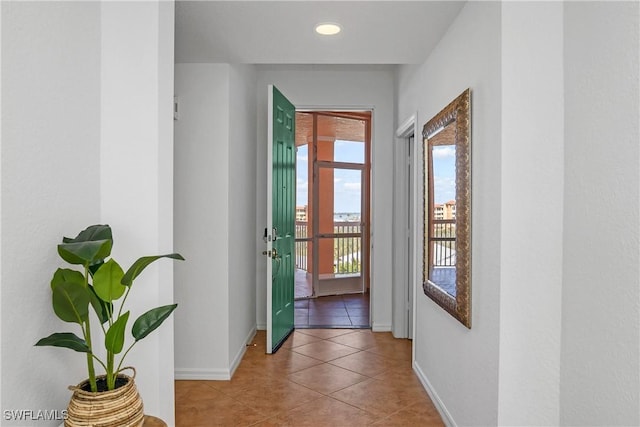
x: 328, y: 29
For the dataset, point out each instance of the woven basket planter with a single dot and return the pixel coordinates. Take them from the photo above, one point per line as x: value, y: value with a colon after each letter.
x: 121, y: 407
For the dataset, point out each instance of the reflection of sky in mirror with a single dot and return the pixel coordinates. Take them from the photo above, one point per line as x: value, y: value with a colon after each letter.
x: 444, y: 173
x: 347, y: 183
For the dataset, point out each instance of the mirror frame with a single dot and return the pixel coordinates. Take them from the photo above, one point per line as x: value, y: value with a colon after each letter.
x: 458, y: 111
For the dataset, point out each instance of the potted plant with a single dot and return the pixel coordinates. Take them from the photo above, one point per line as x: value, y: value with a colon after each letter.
x: 110, y: 399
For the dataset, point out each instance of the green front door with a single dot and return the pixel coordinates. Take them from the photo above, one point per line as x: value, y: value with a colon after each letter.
x: 281, y: 200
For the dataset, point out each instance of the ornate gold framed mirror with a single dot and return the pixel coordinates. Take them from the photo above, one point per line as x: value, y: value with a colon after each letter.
x: 447, y: 208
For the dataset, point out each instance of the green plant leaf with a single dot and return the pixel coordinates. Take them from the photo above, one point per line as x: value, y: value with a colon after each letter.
x: 66, y: 340
x: 71, y: 302
x: 95, y: 266
x: 67, y: 275
x: 114, y: 340
x: 101, y: 308
x: 142, y: 263
x: 85, y: 253
x: 106, y: 281
x: 149, y: 321
x: 91, y: 233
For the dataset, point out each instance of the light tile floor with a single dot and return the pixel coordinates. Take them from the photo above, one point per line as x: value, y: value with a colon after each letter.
x: 320, y: 377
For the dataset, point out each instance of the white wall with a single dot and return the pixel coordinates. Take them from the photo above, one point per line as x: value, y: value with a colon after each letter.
x: 50, y: 185
x: 556, y: 189
x: 0, y: 199
x: 600, y: 380
x: 242, y: 208
x: 362, y: 87
x: 202, y: 217
x: 136, y: 172
x: 215, y: 217
x: 461, y: 364
x: 114, y: 61
x: 531, y: 213
x: 86, y: 108
x: 165, y: 203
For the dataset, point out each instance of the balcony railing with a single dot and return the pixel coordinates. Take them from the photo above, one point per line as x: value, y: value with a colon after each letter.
x: 302, y: 238
x: 347, y: 251
x: 443, y: 243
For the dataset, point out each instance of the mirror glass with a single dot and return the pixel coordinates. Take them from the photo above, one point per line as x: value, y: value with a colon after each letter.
x: 442, y: 233
x: 447, y: 209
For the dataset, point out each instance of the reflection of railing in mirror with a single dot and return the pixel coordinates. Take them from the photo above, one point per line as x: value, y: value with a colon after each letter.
x: 443, y: 243
x: 443, y: 255
x: 347, y: 253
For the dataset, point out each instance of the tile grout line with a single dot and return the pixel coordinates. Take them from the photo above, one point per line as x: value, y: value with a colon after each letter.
x: 329, y: 395
x: 388, y: 364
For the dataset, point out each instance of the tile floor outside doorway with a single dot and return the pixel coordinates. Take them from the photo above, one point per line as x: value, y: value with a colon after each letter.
x: 337, y: 311
x: 320, y: 377
x: 303, y: 284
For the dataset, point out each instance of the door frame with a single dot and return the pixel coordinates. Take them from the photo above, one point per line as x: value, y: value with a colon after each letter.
x: 364, y: 224
x: 369, y: 256
x: 405, y: 284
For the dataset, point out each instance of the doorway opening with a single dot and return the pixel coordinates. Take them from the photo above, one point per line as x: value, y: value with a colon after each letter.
x: 333, y: 152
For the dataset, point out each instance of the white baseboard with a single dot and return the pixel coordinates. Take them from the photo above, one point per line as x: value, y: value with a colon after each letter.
x: 381, y: 327
x: 241, y: 351
x: 216, y: 374
x: 202, y: 374
x: 262, y: 326
x: 442, y: 410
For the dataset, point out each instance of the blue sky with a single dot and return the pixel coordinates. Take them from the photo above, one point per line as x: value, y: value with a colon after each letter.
x: 346, y: 183
x: 444, y: 173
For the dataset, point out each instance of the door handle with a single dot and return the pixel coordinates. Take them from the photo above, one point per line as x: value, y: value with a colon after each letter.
x: 273, y: 254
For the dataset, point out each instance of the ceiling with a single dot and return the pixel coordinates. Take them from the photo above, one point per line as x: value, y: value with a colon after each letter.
x: 282, y: 32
